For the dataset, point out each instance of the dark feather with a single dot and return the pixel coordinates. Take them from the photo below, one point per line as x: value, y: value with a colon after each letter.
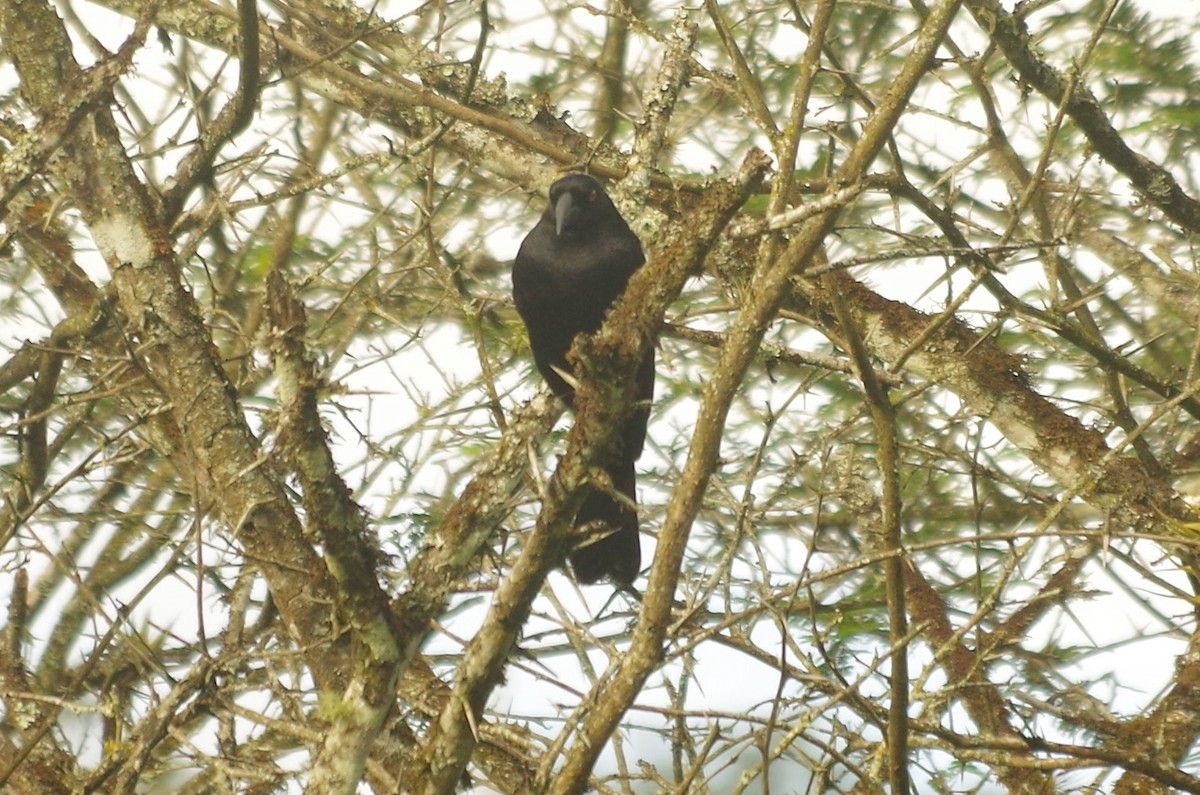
x: 569, y: 271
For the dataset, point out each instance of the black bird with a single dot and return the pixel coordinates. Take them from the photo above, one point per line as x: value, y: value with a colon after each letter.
x: 569, y: 270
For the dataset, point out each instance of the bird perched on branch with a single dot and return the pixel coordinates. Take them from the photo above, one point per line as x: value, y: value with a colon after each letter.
x: 569, y: 270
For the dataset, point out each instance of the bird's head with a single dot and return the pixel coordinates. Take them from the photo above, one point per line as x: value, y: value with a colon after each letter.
x: 578, y: 203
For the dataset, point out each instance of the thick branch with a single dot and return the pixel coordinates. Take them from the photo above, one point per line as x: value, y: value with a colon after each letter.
x: 767, y: 291
x: 1152, y: 180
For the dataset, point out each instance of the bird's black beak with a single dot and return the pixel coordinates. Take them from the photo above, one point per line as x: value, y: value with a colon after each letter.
x: 564, y: 208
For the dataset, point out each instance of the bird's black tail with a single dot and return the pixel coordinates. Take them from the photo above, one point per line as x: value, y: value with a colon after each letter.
x: 619, y: 554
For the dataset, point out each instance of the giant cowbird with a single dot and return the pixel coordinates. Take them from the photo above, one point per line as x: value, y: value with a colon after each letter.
x: 569, y: 270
